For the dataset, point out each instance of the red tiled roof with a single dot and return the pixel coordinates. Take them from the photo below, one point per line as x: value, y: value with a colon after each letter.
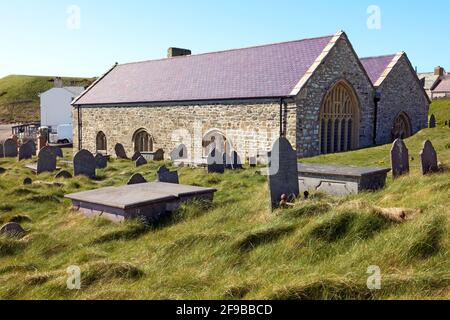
x: 257, y: 72
x: 443, y: 86
x: 375, y: 66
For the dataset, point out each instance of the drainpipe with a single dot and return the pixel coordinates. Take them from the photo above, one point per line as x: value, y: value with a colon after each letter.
x: 281, y: 118
x: 376, y: 99
x: 80, y: 128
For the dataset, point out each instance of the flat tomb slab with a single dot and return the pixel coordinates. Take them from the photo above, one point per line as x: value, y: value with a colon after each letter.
x: 340, y: 180
x: 148, y: 200
x: 33, y: 167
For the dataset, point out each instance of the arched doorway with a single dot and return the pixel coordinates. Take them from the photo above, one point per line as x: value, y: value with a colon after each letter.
x: 402, y: 127
x: 339, y: 120
x: 101, y: 143
x: 215, y: 139
x: 143, y: 141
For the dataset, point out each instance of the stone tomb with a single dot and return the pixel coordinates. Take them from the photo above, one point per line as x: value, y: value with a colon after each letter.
x: 428, y: 158
x: 399, y: 158
x: 167, y: 176
x: 84, y: 164
x: 10, y: 148
x: 283, y: 175
x: 26, y: 151
x: 147, y: 200
x: 340, y: 180
x: 120, y: 151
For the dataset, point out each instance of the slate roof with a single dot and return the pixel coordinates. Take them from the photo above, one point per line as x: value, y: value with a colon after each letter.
x: 443, y: 86
x: 375, y: 66
x: 430, y: 79
x: 267, y: 71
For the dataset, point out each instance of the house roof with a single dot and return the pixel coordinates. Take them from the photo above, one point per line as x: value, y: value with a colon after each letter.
x: 430, y: 79
x: 267, y: 71
x: 75, y: 90
x: 443, y: 86
x: 376, y: 66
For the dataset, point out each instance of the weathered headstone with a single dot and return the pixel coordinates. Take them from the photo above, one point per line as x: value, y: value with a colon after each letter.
x: 159, y: 155
x: 46, y: 160
x: 120, y: 151
x: 136, y: 178
x: 33, y: 146
x: 11, y: 229
x: 253, y: 161
x: 432, y: 121
x: 57, y: 151
x: 101, y: 161
x: 136, y: 156
x: 63, y: 175
x: 428, y: 158
x: 179, y: 153
x: 215, y: 162
x: 283, y: 172
x: 167, y: 176
x: 10, y: 148
x: 399, y: 158
x: 2, y: 154
x: 84, y: 164
x: 141, y: 161
x: 27, y: 181
x: 26, y: 151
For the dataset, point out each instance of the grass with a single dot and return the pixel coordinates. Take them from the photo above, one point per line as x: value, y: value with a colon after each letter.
x: 235, y: 249
x: 19, y: 101
x: 441, y: 110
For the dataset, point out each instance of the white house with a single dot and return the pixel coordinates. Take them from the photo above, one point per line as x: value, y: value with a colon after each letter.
x: 56, y: 109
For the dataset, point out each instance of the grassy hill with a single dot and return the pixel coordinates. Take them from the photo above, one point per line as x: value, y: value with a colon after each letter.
x: 441, y: 109
x: 236, y: 248
x: 19, y: 101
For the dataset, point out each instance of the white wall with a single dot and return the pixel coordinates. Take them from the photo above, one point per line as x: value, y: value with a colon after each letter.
x: 56, y: 107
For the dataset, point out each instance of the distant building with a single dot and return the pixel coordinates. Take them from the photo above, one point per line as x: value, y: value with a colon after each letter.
x: 442, y: 90
x: 431, y: 81
x: 56, y: 109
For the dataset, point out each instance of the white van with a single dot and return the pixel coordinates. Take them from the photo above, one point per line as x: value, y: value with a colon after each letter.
x: 63, y: 135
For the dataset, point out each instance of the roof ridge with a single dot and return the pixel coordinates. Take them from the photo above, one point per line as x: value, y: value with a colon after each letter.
x: 380, y: 56
x: 227, y: 50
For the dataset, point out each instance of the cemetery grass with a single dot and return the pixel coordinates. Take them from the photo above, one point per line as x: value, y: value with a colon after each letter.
x: 234, y: 249
x: 441, y: 110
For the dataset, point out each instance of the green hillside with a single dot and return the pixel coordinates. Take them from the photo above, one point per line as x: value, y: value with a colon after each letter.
x: 19, y: 101
x: 236, y: 248
x: 441, y: 109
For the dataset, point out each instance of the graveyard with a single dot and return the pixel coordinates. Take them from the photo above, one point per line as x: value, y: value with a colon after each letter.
x: 234, y: 247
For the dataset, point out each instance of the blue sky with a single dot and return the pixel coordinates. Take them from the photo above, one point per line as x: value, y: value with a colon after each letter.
x: 44, y: 37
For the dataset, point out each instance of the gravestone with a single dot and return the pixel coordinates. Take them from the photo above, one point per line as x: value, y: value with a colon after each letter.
x: 26, y: 151
x: 2, y: 170
x: 167, y: 176
x: 140, y: 162
x: 136, y: 178
x: 120, y: 151
x: 253, y: 161
x: 428, y: 158
x: 10, y: 148
x: 136, y: 156
x: 179, y: 153
x: 101, y: 161
x: 215, y: 162
x: 432, y: 121
x: 63, y: 175
x: 33, y: 146
x: 11, y: 229
x: 84, y: 164
x: 46, y: 160
x: 236, y: 161
x: 2, y: 155
x: 399, y: 158
x: 27, y: 181
x: 57, y: 151
x: 158, y: 155
x: 283, y: 172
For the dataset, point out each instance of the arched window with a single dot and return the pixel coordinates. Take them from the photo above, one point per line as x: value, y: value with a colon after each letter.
x: 101, y: 143
x: 143, y: 141
x: 402, y: 127
x: 339, y: 117
x: 215, y: 139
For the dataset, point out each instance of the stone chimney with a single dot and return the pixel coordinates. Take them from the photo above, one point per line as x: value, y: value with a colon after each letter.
x: 439, y: 71
x: 58, y: 82
x: 176, y: 52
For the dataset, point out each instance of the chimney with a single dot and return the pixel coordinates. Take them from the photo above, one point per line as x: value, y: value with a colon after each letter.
x: 439, y: 71
x: 58, y: 82
x: 176, y: 52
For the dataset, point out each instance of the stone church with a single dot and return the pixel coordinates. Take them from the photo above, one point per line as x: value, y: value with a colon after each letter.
x: 316, y: 92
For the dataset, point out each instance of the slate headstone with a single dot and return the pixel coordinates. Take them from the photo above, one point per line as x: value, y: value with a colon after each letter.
x: 215, y: 162
x: 63, y: 175
x: 136, y: 156
x: 10, y: 148
x: 120, y: 151
x: 101, y: 161
x: 432, y: 121
x: 136, y: 178
x: 33, y: 146
x: 57, y: 151
x: 27, y: 181
x: 399, y: 158
x: 283, y: 172
x: 26, y: 151
x: 11, y: 229
x: 140, y: 162
x: 2, y: 154
x: 167, y: 176
x: 84, y: 164
x: 179, y: 153
x: 159, y: 155
x: 428, y: 158
x: 46, y: 160
x: 236, y: 161
x: 2, y: 170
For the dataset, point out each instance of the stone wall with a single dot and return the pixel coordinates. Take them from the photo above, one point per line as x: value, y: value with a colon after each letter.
x: 401, y: 92
x: 250, y: 126
x: 340, y: 64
